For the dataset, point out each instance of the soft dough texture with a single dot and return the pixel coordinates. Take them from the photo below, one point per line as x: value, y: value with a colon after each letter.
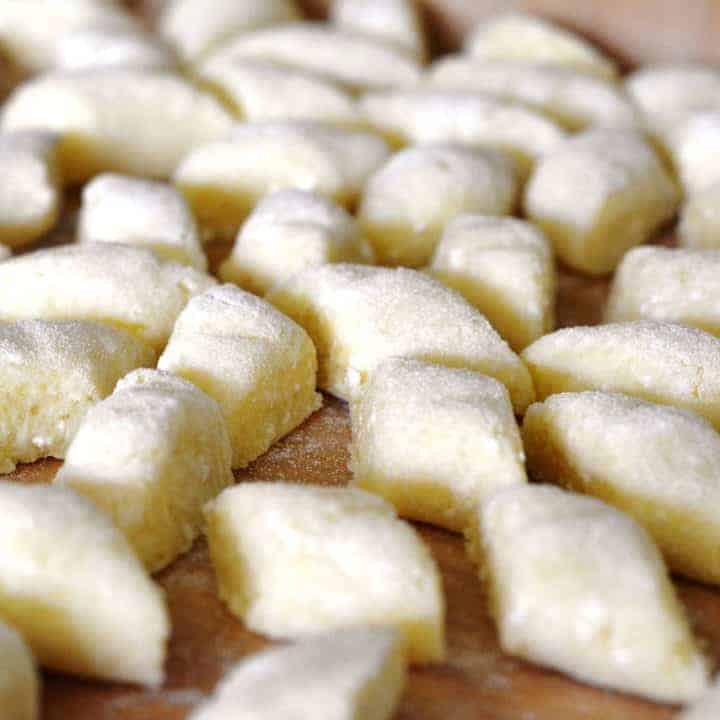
x: 700, y: 221
x: 19, y: 681
x: 694, y: 146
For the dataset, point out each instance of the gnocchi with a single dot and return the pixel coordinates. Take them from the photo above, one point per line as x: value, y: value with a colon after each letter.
x: 694, y: 144
x: 19, y: 682
x: 699, y: 225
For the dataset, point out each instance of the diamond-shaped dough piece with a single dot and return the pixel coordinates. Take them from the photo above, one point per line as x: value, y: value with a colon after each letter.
x: 295, y: 560
x: 409, y: 200
x: 258, y: 364
x: 359, y: 316
x: 694, y: 145
x: 72, y: 586
x: 699, y: 225
x: 19, y: 681
x: 434, y: 441
x: 578, y: 586
x: 358, y: 673
x: 150, y: 456
x: 51, y: 374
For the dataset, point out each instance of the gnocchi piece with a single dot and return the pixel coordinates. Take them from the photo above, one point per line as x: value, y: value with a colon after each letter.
x: 694, y: 145
x: 504, y: 267
x: 656, y: 361
x: 434, y: 441
x: 75, y: 590
x: 677, y: 285
x: 358, y: 673
x: 131, y: 211
x: 625, y: 196
x: 294, y: 560
x: 51, y: 374
x: 409, y: 200
x: 125, y: 120
x: 256, y: 363
x: 699, y: 220
x: 150, y: 456
x: 359, y: 316
x: 120, y: 285
x: 706, y: 708
x: 666, y: 478
x: 289, y: 231
x: 223, y: 181
x: 19, y: 681
x: 518, y: 36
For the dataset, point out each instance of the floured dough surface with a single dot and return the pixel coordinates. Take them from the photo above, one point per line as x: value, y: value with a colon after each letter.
x: 19, y: 681
x: 699, y: 225
x: 694, y: 144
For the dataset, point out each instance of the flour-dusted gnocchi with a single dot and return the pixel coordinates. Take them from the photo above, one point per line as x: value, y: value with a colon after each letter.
x: 257, y: 363
x: 131, y: 211
x: 599, y: 194
x: 409, y: 200
x: 295, y: 560
x: 357, y: 673
x: 138, y: 122
x: 51, y: 374
x: 580, y: 587
x: 74, y: 589
x: 19, y: 682
x: 151, y: 455
x: 504, y: 267
x: 359, y: 316
x: 289, y: 231
x: 699, y: 225
x: 434, y: 441
x: 706, y: 708
x: 694, y: 145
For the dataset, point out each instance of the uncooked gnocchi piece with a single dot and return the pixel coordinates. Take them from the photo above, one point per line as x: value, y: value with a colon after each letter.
x: 51, y: 374
x: 599, y: 194
x: 656, y: 361
x: 131, y: 211
x: 357, y: 673
x: 72, y: 586
x: 150, y: 456
x: 359, y: 316
x: 694, y: 145
x: 256, y: 363
x: 434, y: 441
x: 19, y: 682
x: 706, y: 708
x: 699, y: 225
x: 409, y: 200
x: 138, y: 122
x: 580, y: 587
x: 120, y: 285
x: 294, y: 560
x: 289, y: 231
x: 504, y: 267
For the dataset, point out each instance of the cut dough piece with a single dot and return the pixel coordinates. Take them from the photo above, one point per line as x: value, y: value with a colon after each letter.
x: 504, y: 267
x: 580, y: 587
x: 706, y: 708
x: 259, y: 365
x: 19, y: 681
x: 434, y: 441
x: 289, y: 231
x: 223, y: 181
x: 520, y: 37
x: 150, y: 456
x: 72, y: 586
x: 694, y: 145
x: 120, y: 285
x: 293, y: 560
x: 700, y: 221
x: 346, y: 674
x: 51, y: 374
x: 599, y: 194
x: 409, y: 200
x: 656, y: 361
x: 30, y: 195
x: 666, y: 477
x: 118, y: 120
x: 359, y: 316
x: 130, y: 211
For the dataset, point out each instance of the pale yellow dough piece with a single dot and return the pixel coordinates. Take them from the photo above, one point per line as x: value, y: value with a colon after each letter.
x: 598, y: 195
x: 290, y: 231
x: 407, y: 203
x: 706, y: 708
x: 150, y: 456
x: 656, y: 361
x: 295, y: 560
x: 347, y: 674
x: 51, y: 374
x: 19, y: 681
x: 578, y: 586
x: 138, y: 122
x: 256, y: 363
x: 434, y: 441
x: 700, y: 220
x: 359, y: 316
x: 505, y: 268
x: 120, y: 285
x: 694, y: 145
x: 130, y: 211
x: 72, y: 586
